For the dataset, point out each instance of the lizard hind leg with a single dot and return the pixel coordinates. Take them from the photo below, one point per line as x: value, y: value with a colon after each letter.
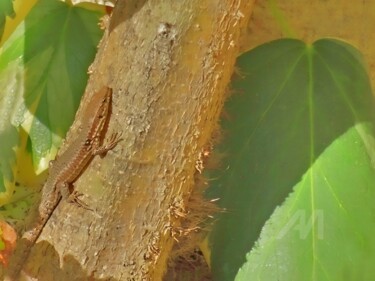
x: 72, y: 197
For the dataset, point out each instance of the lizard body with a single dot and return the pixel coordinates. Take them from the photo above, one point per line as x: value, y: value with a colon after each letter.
x: 67, y: 167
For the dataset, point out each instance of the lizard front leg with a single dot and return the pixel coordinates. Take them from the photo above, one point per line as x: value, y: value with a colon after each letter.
x: 71, y: 197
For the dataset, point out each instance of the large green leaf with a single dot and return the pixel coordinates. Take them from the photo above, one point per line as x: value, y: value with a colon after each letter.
x: 302, y: 117
x: 325, y: 229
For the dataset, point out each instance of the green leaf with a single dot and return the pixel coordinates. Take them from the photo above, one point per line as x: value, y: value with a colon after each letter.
x: 43, y: 73
x: 53, y: 48
x: 10, y: 107
x: 6, y: 10
x: 301, y: 117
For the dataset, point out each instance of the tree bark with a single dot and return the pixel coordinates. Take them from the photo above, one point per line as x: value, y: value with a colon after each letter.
x: 169, y: 63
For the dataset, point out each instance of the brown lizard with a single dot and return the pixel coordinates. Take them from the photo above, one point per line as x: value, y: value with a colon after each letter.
x: 66, y: 169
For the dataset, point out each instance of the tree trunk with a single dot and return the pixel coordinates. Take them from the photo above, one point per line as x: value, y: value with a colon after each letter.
x: 169, y: 63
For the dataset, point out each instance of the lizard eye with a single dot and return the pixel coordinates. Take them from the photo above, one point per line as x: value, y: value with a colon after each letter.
x: 88, y: 142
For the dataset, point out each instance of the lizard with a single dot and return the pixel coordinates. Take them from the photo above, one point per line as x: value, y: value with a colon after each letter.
x: 65, y: 170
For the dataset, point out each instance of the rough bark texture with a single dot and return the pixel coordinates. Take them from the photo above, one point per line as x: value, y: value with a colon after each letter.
x: 169, y: 63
